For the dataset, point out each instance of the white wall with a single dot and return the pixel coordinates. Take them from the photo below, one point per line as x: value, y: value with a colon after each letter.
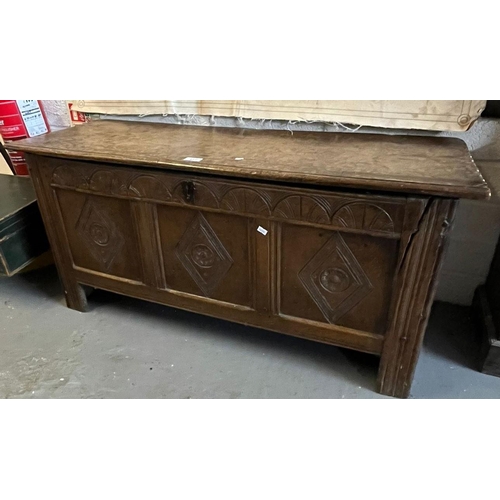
x: 477, y: 228
x: 57, y: 114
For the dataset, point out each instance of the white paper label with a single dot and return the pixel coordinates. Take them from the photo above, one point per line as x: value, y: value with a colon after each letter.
x: 190, y: 158
x: 262, y: 230
x: 32, y: 117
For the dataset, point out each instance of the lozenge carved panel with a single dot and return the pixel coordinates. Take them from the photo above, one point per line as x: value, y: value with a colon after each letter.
x: 207, y: 254
x: 203, y: 255
x: 339, y: 278
x: 335, y: 280
x: 99, y: 233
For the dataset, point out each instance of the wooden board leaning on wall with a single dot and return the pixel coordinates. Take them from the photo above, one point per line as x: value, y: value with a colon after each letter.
x: 425, y: 115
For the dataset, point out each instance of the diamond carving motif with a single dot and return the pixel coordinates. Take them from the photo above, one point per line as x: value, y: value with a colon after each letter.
x: 335, y: 280
x: 203, y: 255
x: 99, y: 234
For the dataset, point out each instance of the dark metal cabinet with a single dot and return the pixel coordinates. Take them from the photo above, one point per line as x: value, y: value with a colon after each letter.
x: 487, y: 310
x: 22, y: 235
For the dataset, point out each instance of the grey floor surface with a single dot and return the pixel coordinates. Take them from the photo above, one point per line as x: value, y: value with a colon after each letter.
x: 126, y: 348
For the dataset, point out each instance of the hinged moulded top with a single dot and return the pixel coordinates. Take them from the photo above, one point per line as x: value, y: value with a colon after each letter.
x: 405, y: 164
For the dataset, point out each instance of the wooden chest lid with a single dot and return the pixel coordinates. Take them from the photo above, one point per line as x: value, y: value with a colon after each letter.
x: 409, y: 164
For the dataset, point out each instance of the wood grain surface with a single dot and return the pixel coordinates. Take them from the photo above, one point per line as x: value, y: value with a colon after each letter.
x: 420, y: 165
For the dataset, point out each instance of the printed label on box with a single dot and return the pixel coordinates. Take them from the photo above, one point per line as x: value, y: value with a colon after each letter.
x: 32, y: 117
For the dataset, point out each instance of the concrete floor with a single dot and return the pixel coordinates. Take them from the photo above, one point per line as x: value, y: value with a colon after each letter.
x: 126, y: 348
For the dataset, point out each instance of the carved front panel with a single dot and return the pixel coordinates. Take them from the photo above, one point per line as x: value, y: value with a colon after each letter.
x: 207, y: 254
x: 203, y: 255
x: 335, y: 279
x: 328, y: 257
x: 342, y: 279
x: 100, y: 234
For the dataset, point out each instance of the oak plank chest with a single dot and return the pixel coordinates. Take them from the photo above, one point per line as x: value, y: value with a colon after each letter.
x: 337, y: 238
